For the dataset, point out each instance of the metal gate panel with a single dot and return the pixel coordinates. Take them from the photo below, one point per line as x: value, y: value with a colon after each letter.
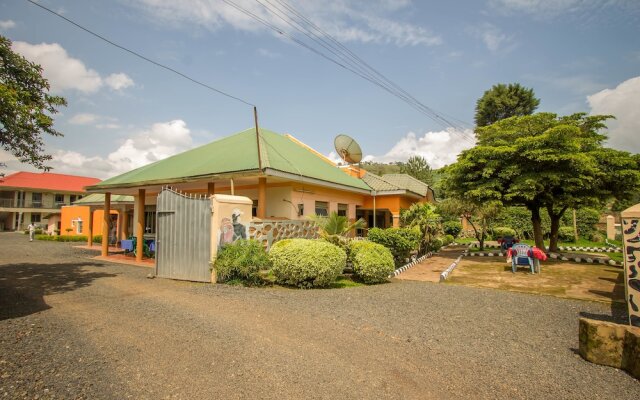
x: 183, y: 242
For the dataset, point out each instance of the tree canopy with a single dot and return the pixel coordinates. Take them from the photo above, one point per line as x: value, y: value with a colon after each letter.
x: 418, y: 167
x: 544, y: 162
x: 504, y: 101
x: 25, y: 107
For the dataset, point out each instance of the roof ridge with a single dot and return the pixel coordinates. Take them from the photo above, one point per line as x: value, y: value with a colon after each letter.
x: 410, y: 177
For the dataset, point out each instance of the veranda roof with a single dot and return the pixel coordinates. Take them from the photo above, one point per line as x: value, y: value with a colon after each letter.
x: 237, y: 154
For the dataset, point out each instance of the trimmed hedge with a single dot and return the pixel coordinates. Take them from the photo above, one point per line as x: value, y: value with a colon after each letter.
x: 566, y: 234
x: 447, y: 240
x: 68, y: 238
x: 401, y: 241
x: 306, y: 263
x: 372, y: 262
x: 242, y: 259
x: 503, y: 231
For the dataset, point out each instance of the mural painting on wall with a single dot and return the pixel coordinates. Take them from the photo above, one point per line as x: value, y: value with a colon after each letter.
x: 232, y: 229
x: 631, y: 232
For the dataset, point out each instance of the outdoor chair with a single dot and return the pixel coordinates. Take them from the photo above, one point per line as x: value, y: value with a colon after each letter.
x: 507, y: 242
x: 521, y: 254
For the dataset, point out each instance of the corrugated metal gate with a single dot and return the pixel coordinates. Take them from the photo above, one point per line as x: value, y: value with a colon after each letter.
x: 183, y: 242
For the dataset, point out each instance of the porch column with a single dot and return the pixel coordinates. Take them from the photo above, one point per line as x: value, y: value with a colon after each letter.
x: 125, y: 223
x: 105, y: 224
x: 261, y: 212
x: 396, y: 220
x: 211, y: 188
x: 90, y: 226
x: 140, y: 225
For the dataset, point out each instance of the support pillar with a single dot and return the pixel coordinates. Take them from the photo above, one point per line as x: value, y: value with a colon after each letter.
x: 125, y: 223
x: 261, y: 212
x: 105, y: 224
x: 140, y: 224
x: 90, y: 228
x: 396, y: 220
x: 211, y: 189
x: 611, y: 227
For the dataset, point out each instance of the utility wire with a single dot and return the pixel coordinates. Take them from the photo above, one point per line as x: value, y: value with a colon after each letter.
x: 302, y: 24
x: 141, y: 56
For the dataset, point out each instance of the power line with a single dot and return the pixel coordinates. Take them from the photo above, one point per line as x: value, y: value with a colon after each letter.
x: 140, y: 55
x: 346, y: 58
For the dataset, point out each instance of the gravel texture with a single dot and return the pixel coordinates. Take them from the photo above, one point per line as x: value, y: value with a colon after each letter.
x: 72, y: 327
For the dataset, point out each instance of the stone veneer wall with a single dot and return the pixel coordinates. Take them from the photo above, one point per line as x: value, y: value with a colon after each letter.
x: 270, y: 231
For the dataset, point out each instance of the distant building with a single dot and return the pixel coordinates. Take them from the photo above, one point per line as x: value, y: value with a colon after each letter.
x: 27, y: 197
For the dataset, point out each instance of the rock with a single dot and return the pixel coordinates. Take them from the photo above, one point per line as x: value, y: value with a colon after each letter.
x: 601, y: 342
x: 631, y: 353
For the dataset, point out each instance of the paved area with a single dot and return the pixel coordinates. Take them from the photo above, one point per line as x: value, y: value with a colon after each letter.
x: 77, y: 328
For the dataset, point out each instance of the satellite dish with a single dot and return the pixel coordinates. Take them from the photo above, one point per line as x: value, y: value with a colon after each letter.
x: 348, y: 149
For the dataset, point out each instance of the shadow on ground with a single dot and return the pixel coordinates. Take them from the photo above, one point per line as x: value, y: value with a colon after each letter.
x: 23, y: 286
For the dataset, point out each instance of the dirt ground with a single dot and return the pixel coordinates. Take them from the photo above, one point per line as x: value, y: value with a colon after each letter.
x: 593, y: 282
x: 72, y: 327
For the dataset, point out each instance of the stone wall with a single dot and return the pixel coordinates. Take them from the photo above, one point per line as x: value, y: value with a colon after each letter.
x: 270, y: 231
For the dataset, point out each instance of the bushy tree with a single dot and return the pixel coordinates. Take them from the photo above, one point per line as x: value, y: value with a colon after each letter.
x: 544, y: 162
x: 25, y: 107
x: 504, y: 101
x: 424, y: 217
x: 480, y: 215
x: 419, y: 168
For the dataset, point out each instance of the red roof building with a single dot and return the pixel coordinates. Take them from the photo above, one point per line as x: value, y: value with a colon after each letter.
x: 28, y: 197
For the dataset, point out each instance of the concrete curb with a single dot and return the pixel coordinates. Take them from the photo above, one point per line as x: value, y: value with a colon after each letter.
x: 554, y: 256
x: 411, y: 264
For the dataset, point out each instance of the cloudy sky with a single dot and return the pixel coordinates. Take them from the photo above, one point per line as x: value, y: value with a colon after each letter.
x: 577, y: 55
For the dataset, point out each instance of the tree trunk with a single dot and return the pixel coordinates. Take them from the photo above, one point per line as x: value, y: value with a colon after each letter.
x: 537, y: 226
x: 555, y: 227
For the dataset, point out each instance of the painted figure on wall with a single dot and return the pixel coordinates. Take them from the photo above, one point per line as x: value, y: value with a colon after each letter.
x: 239, y: 230
x: 226, y: 232
x: 631, y: 232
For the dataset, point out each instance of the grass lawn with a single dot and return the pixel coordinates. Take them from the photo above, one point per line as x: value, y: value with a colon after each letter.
x: 579, y: 243
x: 560, y: 279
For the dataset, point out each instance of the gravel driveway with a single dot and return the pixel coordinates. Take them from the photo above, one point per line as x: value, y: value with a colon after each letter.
x: 72, y: 327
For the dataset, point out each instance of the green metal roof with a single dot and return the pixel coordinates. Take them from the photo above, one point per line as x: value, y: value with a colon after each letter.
x: 235, y: 154
x: 407, y: 182
x: 98, y: 198
x: 378, y: 184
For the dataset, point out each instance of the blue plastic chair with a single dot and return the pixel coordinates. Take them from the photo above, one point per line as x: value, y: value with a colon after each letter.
x: 521, y: 255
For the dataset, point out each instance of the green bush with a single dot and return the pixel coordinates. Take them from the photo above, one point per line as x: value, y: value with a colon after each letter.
x: 566, y: 234
x: 435, y: 244
x: 62, y: 238
x: 503, y: 231
x: 586, y: 219
x: 372, y: 262
x: 597, y: 237
x: 243, y: 260
x: 452, y: 228
x: 306, y: 263
x: 400, y: 241
x: 447, y: 240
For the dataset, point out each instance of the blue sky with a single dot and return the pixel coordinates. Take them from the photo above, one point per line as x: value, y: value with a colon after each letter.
x: 577, y: 55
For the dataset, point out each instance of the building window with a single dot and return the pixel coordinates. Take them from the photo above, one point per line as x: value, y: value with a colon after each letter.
x: 254, y: 208
x: 322, y: 208
x: 343, y: 209
x: 78, y: 224
x: 36, y: 200
x: 150, y: 219
x: 300, y: 210
x: 36, y: 217
x: 59, y: 199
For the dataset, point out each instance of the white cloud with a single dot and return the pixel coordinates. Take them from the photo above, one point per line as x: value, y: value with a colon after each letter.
x: 118, y: 81
x: 159, y: 142
x: 438, y: 148
x: 6, y: 25
x: 553, y: 8
x: 623, y: 102
x: 83, y: 119
x: 579, y: 84
x: 65, y: 72
x: 346, y: 20
x: 493, y: 37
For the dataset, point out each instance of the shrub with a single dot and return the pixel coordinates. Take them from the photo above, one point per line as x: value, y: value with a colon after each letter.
x: 447, y: 240
x: 400, y: 241
x: 597, y: 237
x: 306, y: 263
x: 243, y: 260
x: 62, y: 238
x: 452, y: 228
x: 565, y: 234
x: 503, y: 231
x: 435, y: 244
x: 372, y: 262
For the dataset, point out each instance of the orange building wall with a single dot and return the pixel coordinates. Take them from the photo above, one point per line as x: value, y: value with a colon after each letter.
x: 73, y: 212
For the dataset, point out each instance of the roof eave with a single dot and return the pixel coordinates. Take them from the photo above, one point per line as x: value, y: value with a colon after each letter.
x: 314, y: 181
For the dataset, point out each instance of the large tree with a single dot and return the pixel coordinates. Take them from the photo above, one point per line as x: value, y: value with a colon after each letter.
x: 545, y: 163
x: 504, y: 101
x: 25, y: 107
x: 419, y: 168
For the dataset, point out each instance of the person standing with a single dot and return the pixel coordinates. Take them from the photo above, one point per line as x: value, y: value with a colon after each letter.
x: 32, y: 231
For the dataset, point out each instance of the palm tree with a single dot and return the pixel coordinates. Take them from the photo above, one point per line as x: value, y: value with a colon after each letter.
x: 423, y: 216
x: 335, y: 225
